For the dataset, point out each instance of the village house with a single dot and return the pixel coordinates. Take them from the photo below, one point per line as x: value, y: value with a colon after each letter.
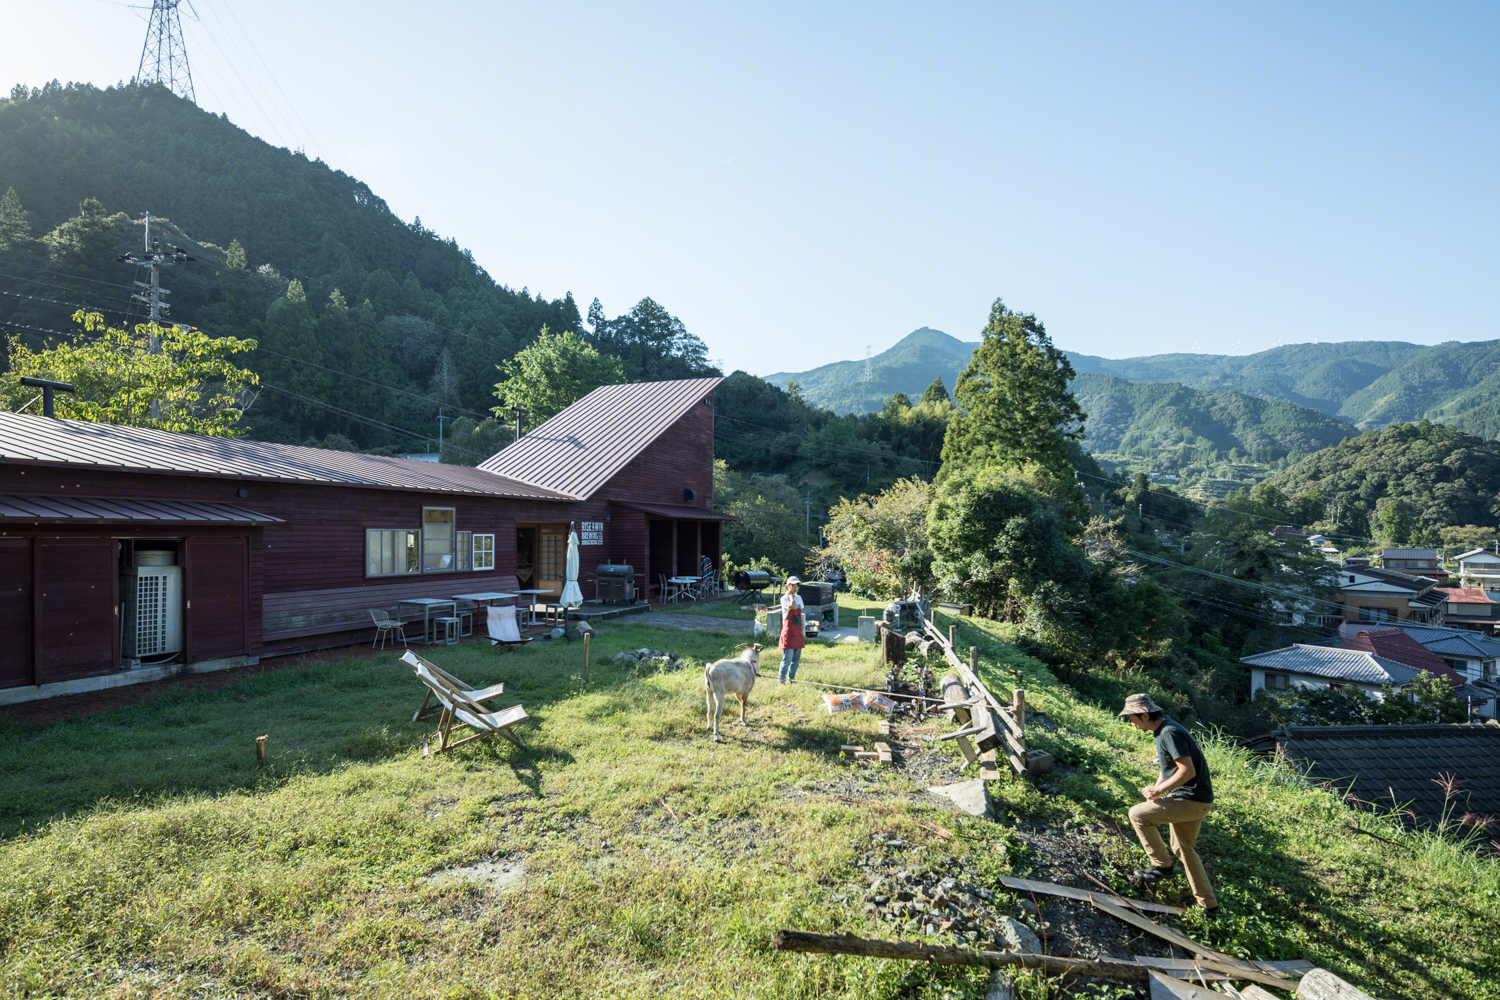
x: 1479, y: 568
x: 1414, y: 562
x: 1381, y: 595
x: 1473, y: 656
x: 129, y: 554
x: 1309, y: 666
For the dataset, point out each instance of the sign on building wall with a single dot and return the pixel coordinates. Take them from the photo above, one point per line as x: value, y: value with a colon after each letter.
x: 592, y: 533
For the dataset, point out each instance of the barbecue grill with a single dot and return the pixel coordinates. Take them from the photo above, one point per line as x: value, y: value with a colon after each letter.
x: 753, y: 579
x: 614, y: 582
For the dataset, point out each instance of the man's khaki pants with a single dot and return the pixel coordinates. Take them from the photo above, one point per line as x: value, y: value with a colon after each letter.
x: 1185, y: 818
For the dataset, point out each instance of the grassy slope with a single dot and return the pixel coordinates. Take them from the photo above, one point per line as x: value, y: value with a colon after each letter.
x: 154, y: 860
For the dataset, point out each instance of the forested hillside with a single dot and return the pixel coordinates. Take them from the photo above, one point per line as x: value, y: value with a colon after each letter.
x: 1439, y: 477
x: 344, y: 297
x: 1153, y: 419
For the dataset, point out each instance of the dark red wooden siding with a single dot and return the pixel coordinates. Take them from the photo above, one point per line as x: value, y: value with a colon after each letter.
x: 15, y: 612
x: 216, y: 595
x: 77, y: 631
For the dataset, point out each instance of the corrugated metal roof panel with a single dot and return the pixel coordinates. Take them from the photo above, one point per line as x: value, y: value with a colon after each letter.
x: 577, y: 451
x: 46, y: 508
x: 25, y: 437
x: 1337, y: 664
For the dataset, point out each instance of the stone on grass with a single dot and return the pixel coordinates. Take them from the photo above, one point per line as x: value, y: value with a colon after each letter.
x: 1019, y: 937
x: 970, y: 796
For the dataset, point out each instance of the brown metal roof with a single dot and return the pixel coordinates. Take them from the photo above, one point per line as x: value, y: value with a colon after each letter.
x: 26, y: 437
x: 45, y: 508
x: 580, y: 449
x: 676, y: 510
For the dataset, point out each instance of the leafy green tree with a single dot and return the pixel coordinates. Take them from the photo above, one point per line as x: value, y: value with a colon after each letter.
x: 771, y: 529
x: 651, y: 343
x: 1310, y: 506
x: 471, y: 441
x: 1395, y: 521
x: 552, y: 374
x: 15, y: 221
x: 193, y: 379
x: 881, y: 542
x: 936, y: 393
x: 1467, y: 537
x: 82, y: 241
x: 1003, y: 539
x: 1014, y: 401
x: 1273, y: 500
x: 1425, y: 698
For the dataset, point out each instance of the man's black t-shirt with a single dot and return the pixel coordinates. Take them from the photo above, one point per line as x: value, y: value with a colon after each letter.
x: 1172, y: 742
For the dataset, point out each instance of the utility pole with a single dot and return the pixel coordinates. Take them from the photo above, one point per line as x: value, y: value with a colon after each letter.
x: 807, y: 524
x: 164, y: 55
x: 441, y: 418
x: 154, y: 257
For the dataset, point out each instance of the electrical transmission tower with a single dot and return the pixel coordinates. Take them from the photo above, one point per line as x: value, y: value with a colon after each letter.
x: 164, y: 55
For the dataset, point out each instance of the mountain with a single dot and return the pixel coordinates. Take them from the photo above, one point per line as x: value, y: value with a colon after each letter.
x: 908, y: 367
x: 1363, y: 383
x: 275, y: 236
x: 1152, y: 418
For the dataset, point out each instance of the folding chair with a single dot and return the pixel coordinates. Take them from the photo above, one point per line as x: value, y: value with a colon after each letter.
x: 504, y: 633
x: 411, y: 659
x: 384, y: 626
x: 458, y: 706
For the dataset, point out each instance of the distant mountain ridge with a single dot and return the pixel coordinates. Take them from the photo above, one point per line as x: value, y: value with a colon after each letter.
x: 1362, y: 383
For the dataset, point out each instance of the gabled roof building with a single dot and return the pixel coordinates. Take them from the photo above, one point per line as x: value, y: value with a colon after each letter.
x: 242, y: 549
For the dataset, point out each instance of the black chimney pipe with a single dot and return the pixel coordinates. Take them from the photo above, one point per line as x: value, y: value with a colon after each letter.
x: 520, y: 412
x: 47, y: 388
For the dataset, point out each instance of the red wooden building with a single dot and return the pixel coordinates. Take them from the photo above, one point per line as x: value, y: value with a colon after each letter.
x: 121, y: 540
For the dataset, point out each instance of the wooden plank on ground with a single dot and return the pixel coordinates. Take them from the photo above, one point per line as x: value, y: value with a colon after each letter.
x: 1167, y: 988
x: 884, y: 749
x: 1051, y: 889
x: 885, y: 727
x: 966, y: 747
x: 988, y: 769
x: 1256, y: 993
x: 1186, y: 968
x: 1210, y: 959
x: 851, y: 748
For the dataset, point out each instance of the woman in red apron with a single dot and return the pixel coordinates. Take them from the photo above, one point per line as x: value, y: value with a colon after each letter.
x: 792, y: 639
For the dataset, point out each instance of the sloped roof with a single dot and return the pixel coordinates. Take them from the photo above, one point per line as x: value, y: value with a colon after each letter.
x: 1427, y: 554
x: 65, y: 508
x: 679, y: 511
x: 1463, y: 595
x: 580, y: 449
x: 1454, y: 641
x: 1335, y: 664
x: 1391, y: 577
x: 1477, y: 552
x: 1394, y: 644
x: 26, y: 437
x: 1393, y: 766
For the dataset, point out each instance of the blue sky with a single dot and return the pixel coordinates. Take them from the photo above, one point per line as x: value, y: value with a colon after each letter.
x: 798, y: 184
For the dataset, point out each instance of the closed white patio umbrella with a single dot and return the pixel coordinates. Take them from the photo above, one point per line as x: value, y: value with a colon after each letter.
x: 572, y: 597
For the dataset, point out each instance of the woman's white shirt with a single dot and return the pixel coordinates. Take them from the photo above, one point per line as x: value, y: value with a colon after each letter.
x: 787, y: 599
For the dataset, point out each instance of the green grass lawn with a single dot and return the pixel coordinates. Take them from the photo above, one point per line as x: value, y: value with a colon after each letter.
x: 145, y: 855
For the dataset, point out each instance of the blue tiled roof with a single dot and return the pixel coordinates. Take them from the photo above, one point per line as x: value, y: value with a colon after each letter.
x: 1334, y: 664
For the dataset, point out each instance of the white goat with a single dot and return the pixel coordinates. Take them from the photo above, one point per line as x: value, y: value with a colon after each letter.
x: 726, y: 677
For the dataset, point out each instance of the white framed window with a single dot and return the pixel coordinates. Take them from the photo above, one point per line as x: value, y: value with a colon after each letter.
x: 392, y: 551
x: 438, y: 540
x: 484, y: 552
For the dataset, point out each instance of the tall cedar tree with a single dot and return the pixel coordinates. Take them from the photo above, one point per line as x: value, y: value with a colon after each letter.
x: 1014, y: 400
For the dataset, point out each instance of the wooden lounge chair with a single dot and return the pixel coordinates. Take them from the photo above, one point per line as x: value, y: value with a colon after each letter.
x: 459, y: 707
x: 504, y: 633
x: 411, y: 659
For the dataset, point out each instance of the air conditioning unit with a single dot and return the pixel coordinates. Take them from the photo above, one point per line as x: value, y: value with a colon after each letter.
x: 152, y: 599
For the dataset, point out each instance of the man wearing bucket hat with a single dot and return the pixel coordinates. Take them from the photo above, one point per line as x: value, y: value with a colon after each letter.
x: 1180, y: 798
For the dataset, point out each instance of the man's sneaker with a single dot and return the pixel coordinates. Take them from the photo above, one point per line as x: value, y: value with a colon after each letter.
x: 1212, y: 913
x: 1152, y: 875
